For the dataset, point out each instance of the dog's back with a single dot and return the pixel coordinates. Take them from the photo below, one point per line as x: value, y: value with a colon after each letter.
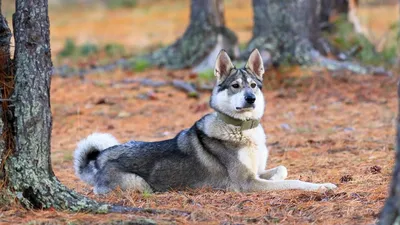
x: 190, y: 160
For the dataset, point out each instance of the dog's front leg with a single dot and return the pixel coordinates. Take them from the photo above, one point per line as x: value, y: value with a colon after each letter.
x: 277, y: 173
x: 273, y: 185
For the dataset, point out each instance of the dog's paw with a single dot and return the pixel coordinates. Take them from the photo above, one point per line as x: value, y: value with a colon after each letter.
x: 280, y: 174
x: 327, y: 186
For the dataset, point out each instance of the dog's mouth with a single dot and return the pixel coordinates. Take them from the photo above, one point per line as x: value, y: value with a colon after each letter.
x: 245, y: 108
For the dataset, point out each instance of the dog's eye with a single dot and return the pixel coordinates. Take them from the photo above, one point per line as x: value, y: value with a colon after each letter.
x: 253, y: 85
x: 235, y: 85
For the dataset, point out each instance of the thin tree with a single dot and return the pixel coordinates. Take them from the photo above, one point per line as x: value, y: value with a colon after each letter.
x: 391, y: 211
x: 205, y: 36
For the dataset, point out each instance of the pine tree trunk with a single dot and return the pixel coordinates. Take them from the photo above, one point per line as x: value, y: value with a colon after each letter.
x: 202, y: 40
x: 28, y: 169
x: 290, y: 31
x: 286, y: 29
x: 391, y: 211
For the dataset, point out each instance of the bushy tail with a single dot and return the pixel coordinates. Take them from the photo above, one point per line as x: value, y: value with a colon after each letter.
x: 86, y: 154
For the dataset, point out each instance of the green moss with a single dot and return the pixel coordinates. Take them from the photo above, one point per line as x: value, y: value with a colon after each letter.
x: 69, y: 48
x: 6, y: 198
x: 193, y: 95
x: 73, y: 51
x: 103, y: 209
x: 147, y: 194
x: 206, y: 75
x: 345, y: 38
x: 67, y: 156
x: 113, y: 50
x: 88, y: 49
x: 115, y: 4
x: 143, y: 221
x: 139, y: 65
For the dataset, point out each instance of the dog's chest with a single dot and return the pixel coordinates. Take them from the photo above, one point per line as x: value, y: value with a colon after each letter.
x: 253, y: 150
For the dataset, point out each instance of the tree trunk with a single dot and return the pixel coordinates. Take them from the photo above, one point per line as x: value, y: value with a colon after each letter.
x: 286, y: 29
x: 290, y: 31
x: 391, y: 211
x: 28, y: 169
x: 202, y: 40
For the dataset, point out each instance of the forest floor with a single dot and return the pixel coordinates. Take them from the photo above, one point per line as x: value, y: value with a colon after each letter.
x: 324, y: 127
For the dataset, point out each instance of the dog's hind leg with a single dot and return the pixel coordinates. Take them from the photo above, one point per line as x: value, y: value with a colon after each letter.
x: 277, y: 173
x: 272, y: 185
x: 132, y: 181
x: 110, y: 177
x: 106, y: 180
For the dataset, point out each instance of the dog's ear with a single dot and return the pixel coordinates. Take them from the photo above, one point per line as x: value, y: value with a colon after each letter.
x: 223, y: 66
x: 255, y: 64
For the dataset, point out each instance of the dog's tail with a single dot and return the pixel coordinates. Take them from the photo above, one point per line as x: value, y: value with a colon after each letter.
x: 87, y: 152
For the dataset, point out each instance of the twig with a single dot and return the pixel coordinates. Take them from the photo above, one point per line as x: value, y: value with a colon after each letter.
x: 180, y: 84
x: 124, y: 209
x: 241, y: 204
x: 146, y: 82
x: 335, y: 65
x: 343, y: 56
x: 68, y: 71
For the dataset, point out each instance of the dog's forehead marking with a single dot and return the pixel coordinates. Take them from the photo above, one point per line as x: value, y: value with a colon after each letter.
x: 241, y: 76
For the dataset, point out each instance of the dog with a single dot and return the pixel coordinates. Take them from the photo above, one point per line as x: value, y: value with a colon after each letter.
x: 225, y: 149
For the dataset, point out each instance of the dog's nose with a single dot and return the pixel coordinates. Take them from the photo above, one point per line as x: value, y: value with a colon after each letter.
x: 250, y: 99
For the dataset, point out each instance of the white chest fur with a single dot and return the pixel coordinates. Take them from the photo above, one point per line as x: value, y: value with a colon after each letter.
x: 255, y: 153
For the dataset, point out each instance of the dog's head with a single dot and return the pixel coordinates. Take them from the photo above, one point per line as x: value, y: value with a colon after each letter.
x: 238, y: 91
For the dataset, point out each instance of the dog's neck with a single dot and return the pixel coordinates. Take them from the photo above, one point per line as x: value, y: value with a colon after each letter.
x: 243, y: 124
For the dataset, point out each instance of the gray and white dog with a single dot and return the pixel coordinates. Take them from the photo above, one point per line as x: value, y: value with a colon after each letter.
x: 225, y: 149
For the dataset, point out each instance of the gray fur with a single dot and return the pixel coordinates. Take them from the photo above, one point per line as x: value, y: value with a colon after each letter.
x: 211, y: 153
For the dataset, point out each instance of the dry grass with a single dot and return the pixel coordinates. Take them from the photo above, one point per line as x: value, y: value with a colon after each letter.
x: 341, y: 131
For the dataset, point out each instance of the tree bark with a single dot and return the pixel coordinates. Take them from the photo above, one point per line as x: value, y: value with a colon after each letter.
x: 286, y: 29
x: 202, y: 40
x: 290, y: 31
x: 391, y: 211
